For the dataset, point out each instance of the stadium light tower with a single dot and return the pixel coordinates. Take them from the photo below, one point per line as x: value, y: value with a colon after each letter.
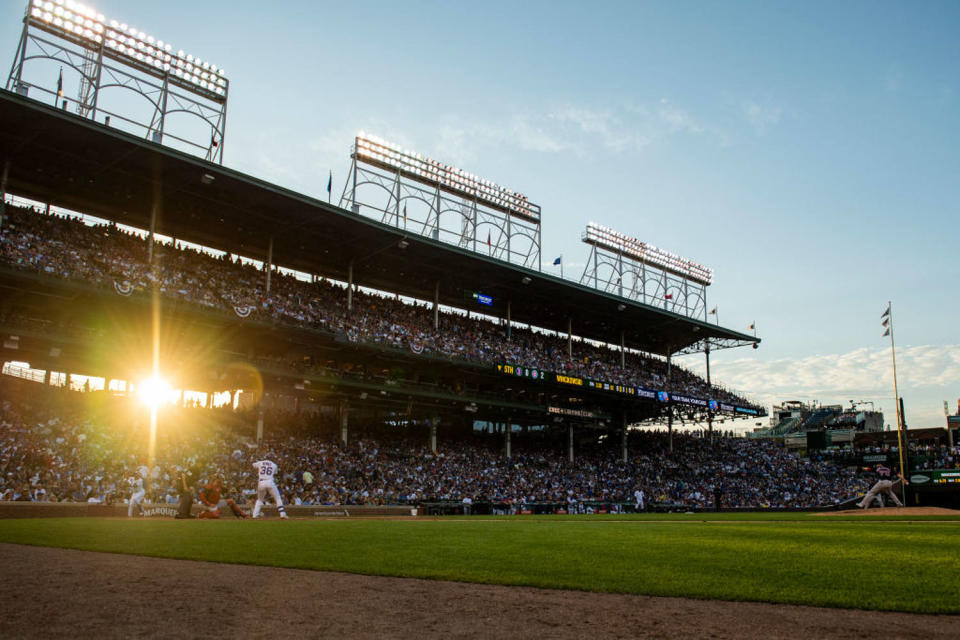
x: 110, y: 56
x: 436, y: 200
x: 639, y: 271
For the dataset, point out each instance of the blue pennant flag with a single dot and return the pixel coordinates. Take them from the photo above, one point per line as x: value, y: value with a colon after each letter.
x: 558, y: 260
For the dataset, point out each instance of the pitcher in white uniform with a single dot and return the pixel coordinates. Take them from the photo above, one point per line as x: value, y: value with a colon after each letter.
x: 266, y: 484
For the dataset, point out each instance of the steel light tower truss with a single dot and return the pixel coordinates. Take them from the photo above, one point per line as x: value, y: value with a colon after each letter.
x: 713, y: 344
x: 431, y: 199
x: 639, y: 271
x: 109, y: 55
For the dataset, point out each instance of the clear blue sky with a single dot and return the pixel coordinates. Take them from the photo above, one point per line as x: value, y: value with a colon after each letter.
x: 808, y: 152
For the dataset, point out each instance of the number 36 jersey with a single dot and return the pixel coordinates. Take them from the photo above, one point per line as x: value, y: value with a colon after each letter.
x: 267, y: 471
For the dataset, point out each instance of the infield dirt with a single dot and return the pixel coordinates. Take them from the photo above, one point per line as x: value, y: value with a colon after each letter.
x: 893, y: 511
x: 59, y: 593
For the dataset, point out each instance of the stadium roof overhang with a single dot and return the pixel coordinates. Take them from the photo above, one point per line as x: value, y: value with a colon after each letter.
x: 54, y: 156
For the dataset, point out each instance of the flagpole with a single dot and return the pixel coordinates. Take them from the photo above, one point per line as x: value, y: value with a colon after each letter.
x: 896, y: 400
x: 561, y: 266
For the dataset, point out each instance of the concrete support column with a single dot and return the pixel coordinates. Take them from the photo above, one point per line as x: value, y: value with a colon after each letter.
x: 670, y: 405
x: 436, y: 306
x: 623, y: 438
x: 3, y: 191
x: 506, y: 438
x: 344, y: 422
x: 706, y: 351
x: 570, y: 337
x: 570, y: 439
x: 46, y: 378
x: 350, y: 287
x: 260, y: 423
x: 623, y: 355
x: 509, y: 322
x: 153, y: 228
x: 670, y: 427
x: 433, y: 434
x: 269, y: 263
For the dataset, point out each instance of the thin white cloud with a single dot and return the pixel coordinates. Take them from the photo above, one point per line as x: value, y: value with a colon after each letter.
x: 569, y: 128
x: 603, y: 127
x: 926, y: 375
x: 761, y: 117
x: 460, y: 142
x: 531, y: 136
x: 677, y: 119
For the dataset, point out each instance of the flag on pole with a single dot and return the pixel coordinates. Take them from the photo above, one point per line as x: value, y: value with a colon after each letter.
x: 488, y: 238
x: 753, y: 326
x: 669, y: 296
x: 885, y: 322
x: 404, y: 214
x: 558, y: 260
x: 886, y: 333
x: 329, y: 185
x: 713, y: 311
x: 886, y: 313
x: 60, y: 83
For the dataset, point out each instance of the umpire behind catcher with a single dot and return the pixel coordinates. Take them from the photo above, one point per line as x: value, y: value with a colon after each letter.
x: 188, y: 478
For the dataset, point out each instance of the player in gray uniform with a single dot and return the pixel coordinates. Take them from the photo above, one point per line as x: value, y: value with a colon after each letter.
x: 883, y: 485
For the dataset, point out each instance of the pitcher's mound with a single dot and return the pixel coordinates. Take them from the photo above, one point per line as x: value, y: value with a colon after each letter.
x: 894, y: 511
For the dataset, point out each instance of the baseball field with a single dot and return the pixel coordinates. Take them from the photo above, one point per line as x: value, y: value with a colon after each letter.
x: 888, y: 562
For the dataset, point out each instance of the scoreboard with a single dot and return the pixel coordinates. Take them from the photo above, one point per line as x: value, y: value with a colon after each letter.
x: 659, y: 395
x: 936, y: 479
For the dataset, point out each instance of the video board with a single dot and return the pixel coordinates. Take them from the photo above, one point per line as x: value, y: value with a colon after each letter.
x: 542, y: 375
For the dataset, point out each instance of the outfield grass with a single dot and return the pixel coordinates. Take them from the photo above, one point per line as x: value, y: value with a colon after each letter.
x: 787, y: 558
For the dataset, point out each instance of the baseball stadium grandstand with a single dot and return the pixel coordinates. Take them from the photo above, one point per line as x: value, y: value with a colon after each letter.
x: 228, y: 409
x: 349, y: 314
x: 793, y: 419
x: 410, y: 322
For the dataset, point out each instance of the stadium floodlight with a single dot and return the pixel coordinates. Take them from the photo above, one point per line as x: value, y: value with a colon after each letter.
x: 84, y: 26
x: 107, y: 53
x: 617, y: 242
x: 386, y: 155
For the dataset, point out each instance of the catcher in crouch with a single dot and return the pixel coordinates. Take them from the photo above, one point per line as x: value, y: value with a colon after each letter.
x: 210, y: 500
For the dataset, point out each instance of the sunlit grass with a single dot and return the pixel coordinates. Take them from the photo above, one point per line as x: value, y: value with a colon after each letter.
x: 905, y: 566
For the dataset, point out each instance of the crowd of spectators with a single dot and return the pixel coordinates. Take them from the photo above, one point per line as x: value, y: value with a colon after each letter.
x: 921, y: 455
x: 111, y: 258
x: 64, y: 450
